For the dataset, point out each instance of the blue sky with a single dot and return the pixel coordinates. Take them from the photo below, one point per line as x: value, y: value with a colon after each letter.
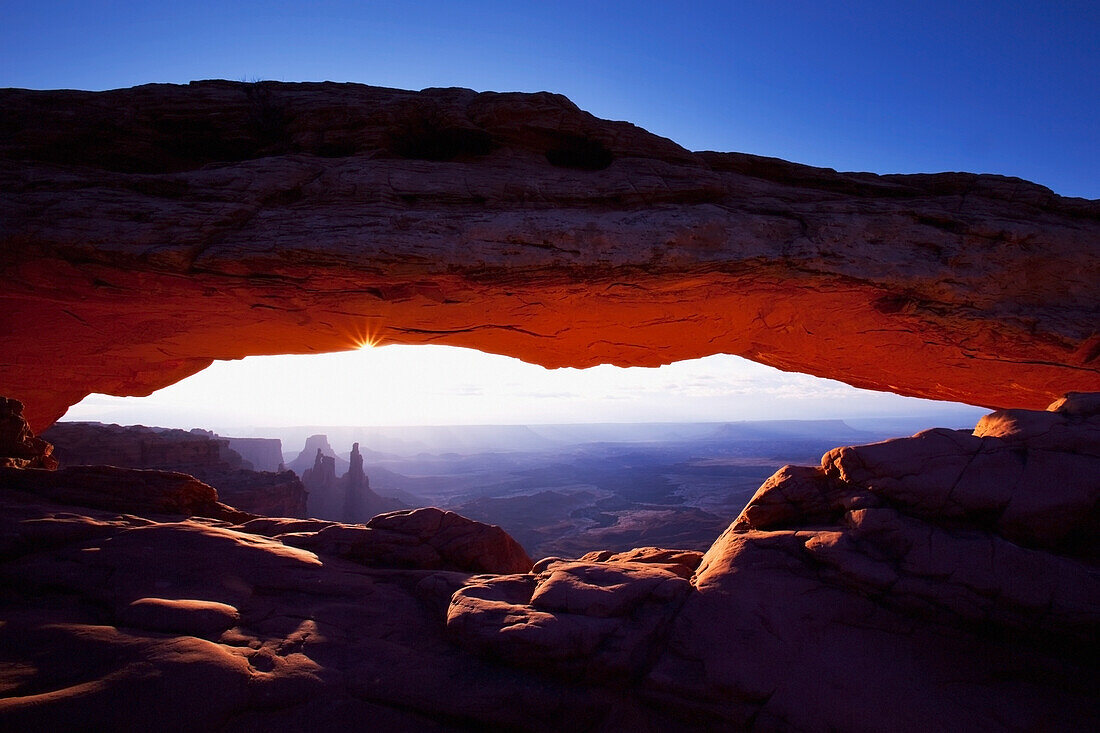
x: 996, y: 87
x: 1000, y: 87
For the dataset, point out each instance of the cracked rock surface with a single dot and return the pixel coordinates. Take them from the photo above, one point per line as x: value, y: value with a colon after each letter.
x: 892, y: 588
x: 592, y: 620
x: 146, y: 232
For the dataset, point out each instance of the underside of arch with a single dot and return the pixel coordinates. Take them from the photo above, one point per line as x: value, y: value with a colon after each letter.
x: 146, y: 232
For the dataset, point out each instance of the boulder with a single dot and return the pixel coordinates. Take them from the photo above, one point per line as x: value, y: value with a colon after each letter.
x: 680, y: 562
x: 428, y: 539
x: 597, y: 620
x: 798, y: 496
x: 183, y: 616
x: 19, y: 448
x: 940, y: 572
x: 1037, y: 489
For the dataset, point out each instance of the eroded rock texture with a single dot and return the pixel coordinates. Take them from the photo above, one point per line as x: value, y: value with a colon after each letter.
x: 19, y: 448
x: 427, y: 538
x: 129, y: 490
x: 145, y: 232
x: 953, y: 574
x: 198, y: 453
x: 896, y: 587
x: 345, y: 499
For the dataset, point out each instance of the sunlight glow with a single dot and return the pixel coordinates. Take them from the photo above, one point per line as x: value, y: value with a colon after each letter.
x: 366, y: 337
x: 447, y: 385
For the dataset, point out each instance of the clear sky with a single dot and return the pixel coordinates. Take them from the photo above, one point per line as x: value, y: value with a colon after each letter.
x: 1000, y: 87
x: 987, y: 86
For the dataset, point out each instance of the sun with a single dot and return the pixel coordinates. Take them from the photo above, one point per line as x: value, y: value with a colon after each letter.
x: 367, y: 336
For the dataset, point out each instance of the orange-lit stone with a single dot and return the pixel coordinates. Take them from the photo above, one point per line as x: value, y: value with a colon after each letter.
x: 146, y: 232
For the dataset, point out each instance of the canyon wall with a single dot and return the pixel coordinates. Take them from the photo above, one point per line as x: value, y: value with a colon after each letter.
x: 198, y: 453
x: 265, y: 454
x: 146, y: 232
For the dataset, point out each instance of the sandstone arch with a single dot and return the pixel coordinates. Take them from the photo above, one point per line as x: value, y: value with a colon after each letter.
x: 145, y: 232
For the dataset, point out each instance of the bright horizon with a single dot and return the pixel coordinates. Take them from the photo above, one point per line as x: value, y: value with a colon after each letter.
x: 445, y: 385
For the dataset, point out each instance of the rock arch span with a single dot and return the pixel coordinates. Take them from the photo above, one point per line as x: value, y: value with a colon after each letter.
x: 146, y: 232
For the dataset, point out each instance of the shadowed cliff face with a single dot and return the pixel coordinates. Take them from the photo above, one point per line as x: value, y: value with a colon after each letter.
x: 145, y: 232
x: 206, y: 456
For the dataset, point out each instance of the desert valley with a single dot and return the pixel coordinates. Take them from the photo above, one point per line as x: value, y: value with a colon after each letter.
x: 557, y: 489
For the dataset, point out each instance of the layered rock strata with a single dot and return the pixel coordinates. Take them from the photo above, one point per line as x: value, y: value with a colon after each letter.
x: 154, y: 229
x: 198, y: 453
x: 265, y: 454
x: 138, y: 446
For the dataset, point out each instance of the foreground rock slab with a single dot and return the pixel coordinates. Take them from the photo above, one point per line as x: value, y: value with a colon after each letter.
x: 115, y: 622
x: 123, y: 489
x: 588, y: 620
x: 891, y: 588
x: 151, y: 230
x: 941, y: 570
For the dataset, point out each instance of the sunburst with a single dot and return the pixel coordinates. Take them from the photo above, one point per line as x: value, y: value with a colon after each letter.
x: 366, y: 336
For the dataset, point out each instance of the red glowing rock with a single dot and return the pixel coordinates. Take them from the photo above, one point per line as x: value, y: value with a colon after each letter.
x: 19, y: 448
x: 145, y: 232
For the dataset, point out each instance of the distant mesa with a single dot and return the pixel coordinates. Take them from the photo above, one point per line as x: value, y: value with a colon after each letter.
x: 212, y: 459
x: 265, y: 454
x: 307, y: 457
x: 199, y: 453
x: 28, y: 468
x: 346, y: 499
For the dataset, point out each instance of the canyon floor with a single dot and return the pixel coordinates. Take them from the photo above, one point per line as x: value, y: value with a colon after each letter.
x: 943, y: 581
